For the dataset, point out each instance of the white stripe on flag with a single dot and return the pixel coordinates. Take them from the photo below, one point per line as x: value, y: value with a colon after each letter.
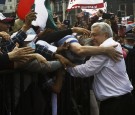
x: 42, y: 14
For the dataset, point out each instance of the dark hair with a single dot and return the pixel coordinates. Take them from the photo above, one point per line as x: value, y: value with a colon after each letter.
x: 100, y: 11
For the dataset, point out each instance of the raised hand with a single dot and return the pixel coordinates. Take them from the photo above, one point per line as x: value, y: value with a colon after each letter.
x: 80, y: 30
x: 64, y: 61
x: 64, y: 47
x: 18, y: 53
x: 5, y: 35
x: 30, y: 17
x: 113, y: 53
x: 28, y: 20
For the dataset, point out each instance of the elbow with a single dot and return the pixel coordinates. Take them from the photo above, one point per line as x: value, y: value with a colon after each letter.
x: 79, y: 52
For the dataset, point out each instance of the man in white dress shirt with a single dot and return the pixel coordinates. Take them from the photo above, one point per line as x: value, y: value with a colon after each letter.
x: 111, y: 85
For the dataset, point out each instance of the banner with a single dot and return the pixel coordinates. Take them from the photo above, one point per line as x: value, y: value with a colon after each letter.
x: 85, y: 4
x: 92, y: 12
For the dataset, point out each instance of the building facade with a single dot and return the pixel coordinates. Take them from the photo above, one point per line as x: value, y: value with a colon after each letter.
x: 2, y: 4
x: 8, y: 6
x: 125, y: 6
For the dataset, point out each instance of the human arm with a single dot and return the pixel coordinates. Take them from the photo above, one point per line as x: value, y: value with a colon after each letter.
x: 8, y: 46
x: 57, y: 35
x: 64, y: 61
x: 18, y: 53
x: 56, y: 87
x: 6, y: 60
x: 37, y: 56
x: 28, y: 20
x: 95, y: 50
x: 91, y: 67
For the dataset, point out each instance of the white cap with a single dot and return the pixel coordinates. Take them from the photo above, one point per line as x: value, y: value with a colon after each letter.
x: 2, y: 17
x: 30, y: 37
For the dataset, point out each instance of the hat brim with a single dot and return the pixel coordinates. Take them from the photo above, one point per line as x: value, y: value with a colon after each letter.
x: 30, y: 37
x: 8, y: 20
x: 2, y: 17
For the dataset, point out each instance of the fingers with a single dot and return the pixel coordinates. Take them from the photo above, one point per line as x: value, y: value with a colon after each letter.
x: 30, y: 17
x: 25, y: 50
x: 116, y: 56
x: 85, y: 31
x: 17, y: 45
x: 81, y: 30
x: 5, y: 35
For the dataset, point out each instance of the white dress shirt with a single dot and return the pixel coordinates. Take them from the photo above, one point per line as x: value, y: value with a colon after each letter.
x: 110, y: 78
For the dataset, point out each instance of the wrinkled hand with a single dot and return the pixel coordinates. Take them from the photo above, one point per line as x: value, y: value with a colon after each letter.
x: 5, y: 35
x: 64, y: 47
x: 30, y: 17
x: 113, y: 53
x: 65, y: 62
x: 80, y: 30
x: 18, y: 53
x: 21, y: 62
x: 39, y: 58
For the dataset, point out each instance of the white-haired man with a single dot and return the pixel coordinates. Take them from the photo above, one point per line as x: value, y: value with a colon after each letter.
x: 111, y: 85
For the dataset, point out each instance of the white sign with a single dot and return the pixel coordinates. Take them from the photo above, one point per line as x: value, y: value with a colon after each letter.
x: 85, y: 4
x: 92, y: 12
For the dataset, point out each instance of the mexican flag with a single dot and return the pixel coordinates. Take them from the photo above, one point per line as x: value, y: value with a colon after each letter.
x: 43, y: 10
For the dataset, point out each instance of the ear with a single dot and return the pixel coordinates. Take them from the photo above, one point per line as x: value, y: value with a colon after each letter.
x: 106, y: 35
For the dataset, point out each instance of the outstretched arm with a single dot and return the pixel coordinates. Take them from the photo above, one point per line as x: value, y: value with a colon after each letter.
x: 96, y: 50
x: 56, y: 36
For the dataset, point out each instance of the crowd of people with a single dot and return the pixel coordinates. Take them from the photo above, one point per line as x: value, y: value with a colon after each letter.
x: 84, y: 50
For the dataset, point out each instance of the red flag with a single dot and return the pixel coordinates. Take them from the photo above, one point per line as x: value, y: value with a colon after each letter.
x: 24, y: 6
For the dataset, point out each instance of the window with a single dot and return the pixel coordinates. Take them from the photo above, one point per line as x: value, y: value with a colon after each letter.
x: 122, y: 8
x: 11, y: 7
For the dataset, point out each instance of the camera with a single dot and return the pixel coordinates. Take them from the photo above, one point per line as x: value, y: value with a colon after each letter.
x: 66, y: 22
x: 108, y: 16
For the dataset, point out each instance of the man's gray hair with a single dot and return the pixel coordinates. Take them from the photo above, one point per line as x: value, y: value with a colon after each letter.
x: 105, y: 28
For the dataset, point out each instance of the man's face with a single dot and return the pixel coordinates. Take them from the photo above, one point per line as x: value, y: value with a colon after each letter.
x: 97, y: 36
x: 4, y: 27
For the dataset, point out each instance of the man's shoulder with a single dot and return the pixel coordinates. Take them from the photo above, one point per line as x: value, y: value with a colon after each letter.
x: 109, y: 42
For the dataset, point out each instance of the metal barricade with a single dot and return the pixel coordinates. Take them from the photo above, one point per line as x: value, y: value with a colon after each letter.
x: 74, y: 98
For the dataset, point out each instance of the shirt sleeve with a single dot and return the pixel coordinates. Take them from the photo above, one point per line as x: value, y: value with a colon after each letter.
x: 44, y: 51
x: 9, y: 45
x: 91, y: 67
x: 55, y: 36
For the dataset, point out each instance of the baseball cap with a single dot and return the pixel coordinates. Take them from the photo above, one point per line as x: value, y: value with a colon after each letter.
x: 7, y: 20
x: 30, y: 37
